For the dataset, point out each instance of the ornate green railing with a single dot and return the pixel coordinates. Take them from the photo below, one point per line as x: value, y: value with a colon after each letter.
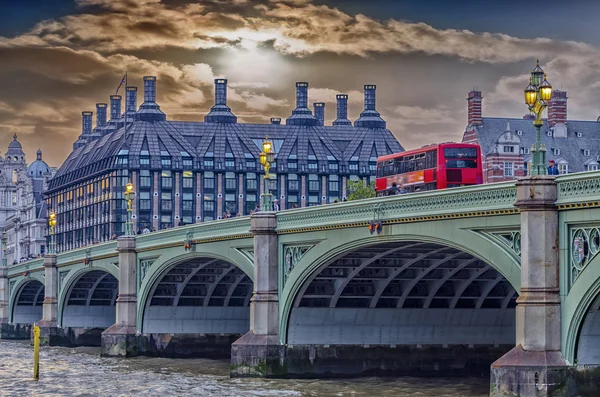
x: 476, y: 200
x: 582, y: 187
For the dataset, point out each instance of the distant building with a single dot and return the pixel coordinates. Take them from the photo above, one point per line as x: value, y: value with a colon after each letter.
x: 506, y: 142
x: 188, y: 172
x: 22, y: 207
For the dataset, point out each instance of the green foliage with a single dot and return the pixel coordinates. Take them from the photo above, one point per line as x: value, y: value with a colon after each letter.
x: 358, y: 190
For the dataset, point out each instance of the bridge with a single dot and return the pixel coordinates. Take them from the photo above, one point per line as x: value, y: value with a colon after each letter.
x: 440, y: 282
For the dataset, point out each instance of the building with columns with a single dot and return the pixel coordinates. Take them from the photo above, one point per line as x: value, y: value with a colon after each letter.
x: 22, y: 205
x: 188, y: 172
x: 506, y: 142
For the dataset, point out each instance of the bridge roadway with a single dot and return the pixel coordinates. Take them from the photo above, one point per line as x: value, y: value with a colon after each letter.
x: 311, y: 292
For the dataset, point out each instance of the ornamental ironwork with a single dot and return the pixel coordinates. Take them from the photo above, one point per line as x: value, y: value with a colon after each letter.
x: 584, y: 246
x: 292, y: 255
x: 61, y: 279
x: 145, y: 265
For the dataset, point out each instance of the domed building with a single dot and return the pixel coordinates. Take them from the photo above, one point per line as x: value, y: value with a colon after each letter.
x: 186, y: 172
x: 22, y: 205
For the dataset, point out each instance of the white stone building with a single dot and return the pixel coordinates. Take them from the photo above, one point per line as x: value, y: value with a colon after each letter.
x: 22, y: 207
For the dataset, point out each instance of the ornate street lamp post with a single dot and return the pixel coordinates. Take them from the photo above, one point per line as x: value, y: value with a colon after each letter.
x: 537, y: 95
x: 51, y: 230
x: 129, y: 194
x: 266, y: 158
x: 4, y: 264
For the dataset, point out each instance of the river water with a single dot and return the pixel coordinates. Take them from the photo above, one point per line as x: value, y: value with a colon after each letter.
x: 82, y: 372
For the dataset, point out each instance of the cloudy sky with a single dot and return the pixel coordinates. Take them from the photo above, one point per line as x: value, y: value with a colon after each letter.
x: 60, y: 57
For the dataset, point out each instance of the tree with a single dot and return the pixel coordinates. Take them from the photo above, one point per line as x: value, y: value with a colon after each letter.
x: 358, y: 190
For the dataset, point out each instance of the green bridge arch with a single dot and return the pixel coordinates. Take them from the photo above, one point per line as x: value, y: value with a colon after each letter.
x: 474, y: 236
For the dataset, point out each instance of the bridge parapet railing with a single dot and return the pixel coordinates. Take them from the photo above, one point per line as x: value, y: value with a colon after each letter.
x: 223, y: 229
x: 488, y: 199
x: 32, y: 264
x: 579, y: 189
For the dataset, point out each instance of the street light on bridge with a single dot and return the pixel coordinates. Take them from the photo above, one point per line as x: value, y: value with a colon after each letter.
x: 51, y: 230
x: 266, y: 158
x: 129, y: 194
x: 537, y: 95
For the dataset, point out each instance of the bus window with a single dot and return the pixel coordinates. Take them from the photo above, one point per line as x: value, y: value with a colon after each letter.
x: 420, y: 161
x: 461, y: 163
x: 431, y: 159
x: 468, y: 152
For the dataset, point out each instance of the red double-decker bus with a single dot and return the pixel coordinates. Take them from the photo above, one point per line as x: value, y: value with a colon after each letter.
x: 432, y: 167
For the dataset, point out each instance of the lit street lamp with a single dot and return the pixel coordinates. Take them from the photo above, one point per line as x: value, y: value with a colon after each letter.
x: 129, y: 195
x: 266, y: 158
x: 537, y: 95
x: 4, y: 249
x: 51, y: 230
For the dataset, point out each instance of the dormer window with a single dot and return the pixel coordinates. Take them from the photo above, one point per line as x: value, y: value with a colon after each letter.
x: 556, y: 152
x: 526, y: 150
x: 519, y: 132
x: 509, y: 149
x: 579, y: 135
x: 586, y: 152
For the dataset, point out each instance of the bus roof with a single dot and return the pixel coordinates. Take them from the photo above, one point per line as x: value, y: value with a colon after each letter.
x: 424, y: 149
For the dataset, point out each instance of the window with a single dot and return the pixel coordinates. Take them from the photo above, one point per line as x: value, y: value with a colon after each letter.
x: 209, y: 180
x: 166, y: 162
x: 144, y: 160
x: 509, y: 149
x: 526, y: 150
x: 250, y: 164
x: 145, y: 178
x: 313, y: 200
x: 230, y: 163
x: 586, y: 152
x: 293, y: 184
x: 519, y: 132
x: 312, y: 165
x: 188, y: 202
x: 557, y: 151
x: 508, y: 168
x: 592, y: 167
x: 579, y: 135
x: 333, y: 166
x: 209, y: 207
x: 549, y: 133
x: 188, y: 180
x: 292, y: 165
x: 188, y: 162
x: 563, y: 168
x: 251, y: 181
x: 314, y: 185
x: 145, y: 202
x: 208, y: 162
x: 166, y: 202
x: 230, y: 181
x: 334, y: 184
x: 353, y: 166
x: 372, y: 166
x: 460, y: 152
x: 166, y: 179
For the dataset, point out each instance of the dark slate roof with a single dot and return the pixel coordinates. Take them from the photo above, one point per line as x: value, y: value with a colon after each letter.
x: 571, y: 148
x: 225, y: 140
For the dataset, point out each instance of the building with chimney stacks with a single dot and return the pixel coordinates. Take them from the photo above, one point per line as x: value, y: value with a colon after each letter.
x: 188, y: 172
x: 506, y: 142
x: 22, y: 205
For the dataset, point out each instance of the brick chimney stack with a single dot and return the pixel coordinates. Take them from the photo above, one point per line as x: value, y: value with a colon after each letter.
x: 557, y: 108
x: 474, y: 108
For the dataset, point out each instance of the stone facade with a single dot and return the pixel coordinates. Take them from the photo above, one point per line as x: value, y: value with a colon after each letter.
x: 22, y: 207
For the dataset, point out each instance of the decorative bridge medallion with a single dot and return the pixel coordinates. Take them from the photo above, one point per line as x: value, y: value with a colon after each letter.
x: 292, y: 255
x: 584, y: 246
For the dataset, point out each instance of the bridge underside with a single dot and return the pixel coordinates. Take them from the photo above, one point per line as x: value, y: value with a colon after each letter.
x: 407, y: 293
x: 90, y: 302
x: 28, y: 304
x: 200, y: 296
